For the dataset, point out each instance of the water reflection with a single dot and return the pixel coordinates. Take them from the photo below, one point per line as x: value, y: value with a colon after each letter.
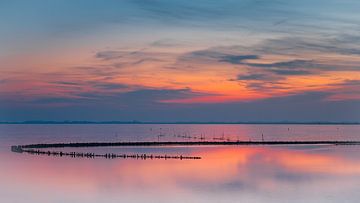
x: 224, y: 174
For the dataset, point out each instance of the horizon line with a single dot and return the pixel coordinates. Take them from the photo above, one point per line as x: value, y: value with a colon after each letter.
x: 181, y: 122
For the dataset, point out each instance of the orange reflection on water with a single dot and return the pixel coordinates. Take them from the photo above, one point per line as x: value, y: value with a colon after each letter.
x: 259, y: 167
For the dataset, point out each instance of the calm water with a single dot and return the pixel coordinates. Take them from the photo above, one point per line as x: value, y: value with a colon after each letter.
x: 224, y: 174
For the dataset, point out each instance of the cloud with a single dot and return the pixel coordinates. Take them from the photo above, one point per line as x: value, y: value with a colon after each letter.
x: 346, y: 90
x: 255, y: 76
x: 130, y: 59
x: 217, y: 54
x: 168, y: 43
x: 148, y: 96
x: 237, y: 59
x: 109, y: 86
x: 107, y: 70
x: 256, y: 73
x: 180, y: 12
x: 202, y: 55
x: 109, y: 55
x: 113, y: 54
x: 277, y: 71
x: 291, y: 72
x: 142, y: 105
x: 270, y: 86
x: 286, y: 64
x: 66, y: 83
x: 119, y: 95
x: 292, y: 45
x: 350, y: 83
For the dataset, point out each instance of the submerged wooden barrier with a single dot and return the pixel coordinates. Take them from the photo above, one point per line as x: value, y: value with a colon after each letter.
x: 107, y: 155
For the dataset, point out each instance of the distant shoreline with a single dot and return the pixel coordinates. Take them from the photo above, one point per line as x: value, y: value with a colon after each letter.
x: 188, y: 123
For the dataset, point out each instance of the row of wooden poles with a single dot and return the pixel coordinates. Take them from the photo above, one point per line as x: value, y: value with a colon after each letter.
x: 107, y: 155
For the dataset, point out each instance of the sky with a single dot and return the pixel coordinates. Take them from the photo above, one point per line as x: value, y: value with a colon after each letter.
x: 177, y: 60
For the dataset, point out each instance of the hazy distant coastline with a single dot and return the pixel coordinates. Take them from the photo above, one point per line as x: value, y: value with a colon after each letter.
x: 185, y: 122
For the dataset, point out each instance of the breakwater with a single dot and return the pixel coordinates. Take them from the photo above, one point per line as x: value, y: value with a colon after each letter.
x: 106, y: 155
x: 184, y: 143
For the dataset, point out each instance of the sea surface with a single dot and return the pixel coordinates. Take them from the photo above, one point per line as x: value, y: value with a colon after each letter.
x: 302, y: 173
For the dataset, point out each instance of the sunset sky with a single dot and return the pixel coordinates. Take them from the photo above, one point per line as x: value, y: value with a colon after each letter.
x: 177, y: 60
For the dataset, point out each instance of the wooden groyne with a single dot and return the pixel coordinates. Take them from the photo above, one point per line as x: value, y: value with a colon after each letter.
x: 107, y: 155
x: 183, y: 143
